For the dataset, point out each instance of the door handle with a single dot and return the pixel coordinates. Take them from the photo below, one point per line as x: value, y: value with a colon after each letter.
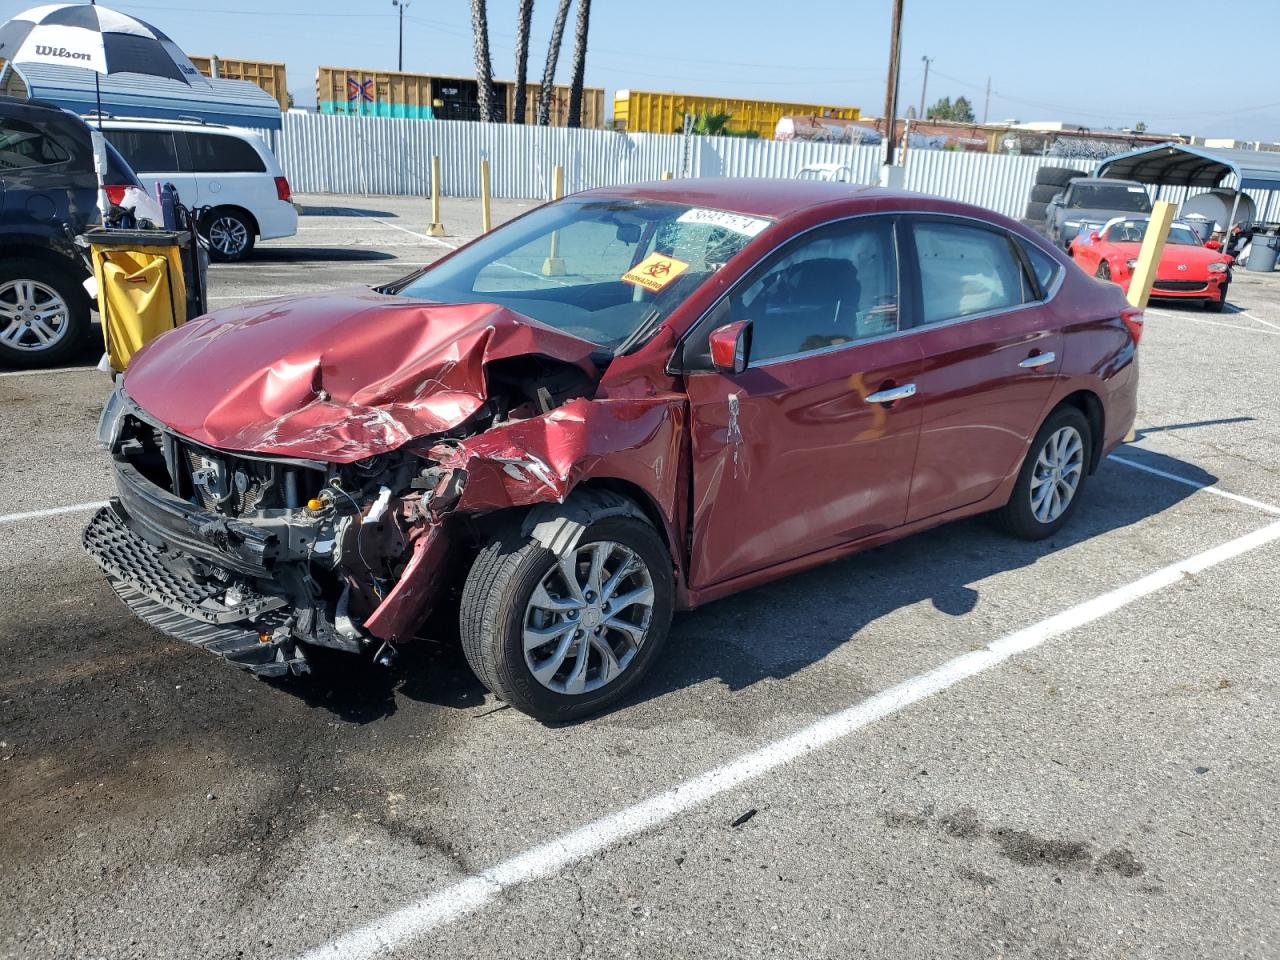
x: 892, y: 394
x: 1039, y: 360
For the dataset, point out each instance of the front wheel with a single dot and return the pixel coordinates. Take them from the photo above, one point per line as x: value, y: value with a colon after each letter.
x: 1052, y: 477
x: 562, y: 637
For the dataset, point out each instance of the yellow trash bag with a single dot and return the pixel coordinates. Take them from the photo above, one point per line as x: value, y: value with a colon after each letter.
x: 141, y: 294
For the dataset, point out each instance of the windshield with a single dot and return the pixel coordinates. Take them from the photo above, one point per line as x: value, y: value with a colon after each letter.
x: 1132, y: 231
x: 602, y: 270
x: 1108, y: 196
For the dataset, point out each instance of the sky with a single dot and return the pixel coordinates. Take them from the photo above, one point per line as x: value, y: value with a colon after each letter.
x: 1175, y: 65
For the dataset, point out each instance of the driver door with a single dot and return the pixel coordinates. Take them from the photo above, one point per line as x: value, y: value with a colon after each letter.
x: 794, y: 455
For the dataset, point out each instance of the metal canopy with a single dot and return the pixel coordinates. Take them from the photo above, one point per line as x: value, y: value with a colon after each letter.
x: 1183, y: 165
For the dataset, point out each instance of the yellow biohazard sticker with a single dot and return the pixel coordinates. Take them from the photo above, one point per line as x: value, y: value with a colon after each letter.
x: 655, y: 271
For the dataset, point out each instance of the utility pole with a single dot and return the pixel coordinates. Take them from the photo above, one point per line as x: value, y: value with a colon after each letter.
x: 924, y: 86
x: 986, y: 102
x: 403, y: 5
x: 891, y: 88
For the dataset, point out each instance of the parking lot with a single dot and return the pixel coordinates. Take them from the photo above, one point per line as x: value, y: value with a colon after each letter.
x: 957, y: 745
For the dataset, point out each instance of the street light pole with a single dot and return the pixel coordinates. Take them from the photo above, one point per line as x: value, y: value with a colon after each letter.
x: 402, y: 4
x: 891, y: 88
x: 924, y: 86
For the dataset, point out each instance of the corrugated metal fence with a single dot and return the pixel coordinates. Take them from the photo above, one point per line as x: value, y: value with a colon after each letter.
x: 383, y: 155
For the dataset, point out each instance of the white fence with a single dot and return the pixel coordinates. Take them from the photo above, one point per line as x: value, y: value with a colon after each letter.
x: 383, y: 155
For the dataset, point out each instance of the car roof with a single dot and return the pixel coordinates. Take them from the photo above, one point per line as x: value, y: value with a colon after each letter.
x: 774, y: 198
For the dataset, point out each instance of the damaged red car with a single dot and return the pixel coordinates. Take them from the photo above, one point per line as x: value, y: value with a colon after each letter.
x: 628, y: 402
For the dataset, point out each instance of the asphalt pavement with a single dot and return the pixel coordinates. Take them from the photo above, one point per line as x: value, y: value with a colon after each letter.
x: 958, y: 745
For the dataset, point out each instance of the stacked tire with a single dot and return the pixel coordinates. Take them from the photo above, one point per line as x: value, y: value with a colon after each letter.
x: 1050, y: 181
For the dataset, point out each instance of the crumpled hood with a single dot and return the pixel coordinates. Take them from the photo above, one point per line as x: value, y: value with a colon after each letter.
x: 337, y: 377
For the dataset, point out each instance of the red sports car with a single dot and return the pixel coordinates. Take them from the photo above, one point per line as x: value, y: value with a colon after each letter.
x: 633, y: 400
x: 1190, y: 269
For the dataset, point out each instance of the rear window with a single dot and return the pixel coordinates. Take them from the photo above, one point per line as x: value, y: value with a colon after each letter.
x: 966, y: 270
x: 23, y: 145
x: 216, y: 153
x: 147, y: 151
x: 1108, y: 196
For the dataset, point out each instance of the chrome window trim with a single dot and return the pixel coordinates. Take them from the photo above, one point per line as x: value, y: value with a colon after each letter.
x: 1050, y: 294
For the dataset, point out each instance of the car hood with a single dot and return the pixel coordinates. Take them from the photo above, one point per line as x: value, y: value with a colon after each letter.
x: 337, y: 377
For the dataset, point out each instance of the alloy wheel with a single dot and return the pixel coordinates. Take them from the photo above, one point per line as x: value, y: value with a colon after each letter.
x: 1056, y: 476
x: 33, y: 316
x: 588, y: 618
x: 228, y: 235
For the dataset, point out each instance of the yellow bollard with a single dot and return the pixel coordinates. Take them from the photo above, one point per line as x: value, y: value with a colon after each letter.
x: 1144, y: 274
x: 553, y: 266
x: 436, y: 228
x: 668, y: 175
x: 486, y: 214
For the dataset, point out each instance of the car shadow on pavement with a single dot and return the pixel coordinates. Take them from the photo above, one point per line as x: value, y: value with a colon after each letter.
x: 319, y: 210
x: 318, y: 255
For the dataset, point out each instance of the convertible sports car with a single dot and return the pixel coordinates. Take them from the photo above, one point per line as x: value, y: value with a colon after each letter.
x: 1189, y: 269
x: 632, y: 400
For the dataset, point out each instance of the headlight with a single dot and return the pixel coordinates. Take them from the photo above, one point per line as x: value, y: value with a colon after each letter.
x: 112, y: 414
x: 1131, y: 262
x: 1218, y: 267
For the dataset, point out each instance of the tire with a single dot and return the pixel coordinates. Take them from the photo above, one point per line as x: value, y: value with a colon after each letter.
x: 498, y: 606
x: 1216, y: 306
x: 1057, y: 177
x: 1018, y: 517
x: 1037, y: 210
x: 230, y: 234
x: 1044, y: 192
x: 40, y: 301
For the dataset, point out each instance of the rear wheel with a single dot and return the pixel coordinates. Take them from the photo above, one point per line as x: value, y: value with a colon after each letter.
x: 1051, y: 479
x: 44, y: 313
x: 562, y: 637
x: 230, y: 234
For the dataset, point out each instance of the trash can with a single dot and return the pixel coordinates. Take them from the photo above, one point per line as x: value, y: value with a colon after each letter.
x: 142, y: 287
x: 1202, y: 225
x: 1264, y: 250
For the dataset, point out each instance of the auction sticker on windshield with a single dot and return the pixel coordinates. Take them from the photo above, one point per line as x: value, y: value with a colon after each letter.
x: 655, y: 271
x: 747, y: 226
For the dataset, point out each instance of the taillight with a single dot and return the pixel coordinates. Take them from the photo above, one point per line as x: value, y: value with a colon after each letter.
x: 115, y: 194
x: 282, y: 189
x: 1132, y: 318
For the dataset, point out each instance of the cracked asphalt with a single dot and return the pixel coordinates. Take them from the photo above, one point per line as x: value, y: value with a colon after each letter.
x: 1111, y: 793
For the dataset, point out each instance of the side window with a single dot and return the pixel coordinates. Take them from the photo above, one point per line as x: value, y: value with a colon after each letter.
x: 966, y: 270
x: 216, y: 153
x: 1043, y: 266
x: 835, y: 285
x: 147, y: 151
x: 23, y: 145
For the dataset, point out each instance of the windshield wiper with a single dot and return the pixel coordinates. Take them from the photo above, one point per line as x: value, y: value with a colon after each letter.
x: 651, y: 321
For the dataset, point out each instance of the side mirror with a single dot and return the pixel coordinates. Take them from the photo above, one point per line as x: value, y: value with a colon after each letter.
x: 628, y: 233
x: 729, y: 345
x: 1213, y: 245
x: 1059, y: 199
x: 1095, y: 236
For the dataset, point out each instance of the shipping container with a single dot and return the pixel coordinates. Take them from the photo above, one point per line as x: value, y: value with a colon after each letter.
x: 381, y: 93
x: 266, y: 74
x: 641, y: 112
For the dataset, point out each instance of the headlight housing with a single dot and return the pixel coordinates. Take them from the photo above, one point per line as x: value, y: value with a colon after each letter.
x: 1071, y: 223
x: 1218, y: 267
x: 1131, y: 262
x: 112, y: 416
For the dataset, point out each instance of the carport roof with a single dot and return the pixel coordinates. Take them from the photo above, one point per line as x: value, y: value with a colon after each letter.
x: 1183, y: 165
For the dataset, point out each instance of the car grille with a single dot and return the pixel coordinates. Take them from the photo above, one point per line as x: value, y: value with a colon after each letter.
x: 1181, y: 285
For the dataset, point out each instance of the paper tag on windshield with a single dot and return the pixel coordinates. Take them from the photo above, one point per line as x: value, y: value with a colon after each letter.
x: 747, y: 226
x: 1136, y: 190
x: 655, y: 271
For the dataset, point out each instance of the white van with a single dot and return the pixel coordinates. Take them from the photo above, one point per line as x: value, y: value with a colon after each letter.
x: 227, y: 174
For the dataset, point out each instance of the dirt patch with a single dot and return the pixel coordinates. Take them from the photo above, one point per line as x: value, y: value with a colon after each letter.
x: 1029, y: 850
x: 1121, y: 861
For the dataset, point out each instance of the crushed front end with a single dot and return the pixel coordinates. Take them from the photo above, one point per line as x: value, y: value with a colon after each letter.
x: 256, y: 557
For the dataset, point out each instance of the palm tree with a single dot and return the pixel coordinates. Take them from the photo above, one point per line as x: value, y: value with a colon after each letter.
x: 484, y: 66
x: 549, y: 71
x: 524, y: 18
x: 579, y: 62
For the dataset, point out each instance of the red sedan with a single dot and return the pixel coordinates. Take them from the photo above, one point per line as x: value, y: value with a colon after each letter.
x: 628, y: 402
x: 1189, y: 268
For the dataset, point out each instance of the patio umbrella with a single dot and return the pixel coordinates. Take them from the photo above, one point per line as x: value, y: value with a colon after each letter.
x: 98, y: 39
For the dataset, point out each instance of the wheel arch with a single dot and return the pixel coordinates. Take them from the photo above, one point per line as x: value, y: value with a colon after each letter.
x: 1090, y: 404
x: 45, y: 254
x: 236, y: 208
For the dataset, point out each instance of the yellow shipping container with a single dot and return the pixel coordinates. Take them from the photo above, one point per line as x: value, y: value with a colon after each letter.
x: 644, y: 112
x: 383, y: 93
x: 266, y: 74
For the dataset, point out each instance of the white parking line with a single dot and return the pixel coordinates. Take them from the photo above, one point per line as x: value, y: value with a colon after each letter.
x: 50, y: 512
x: 1265, y: 323
x: 35, y: 373
x: 399, y: 927
x: 414, y: 233
x: 1216, y: 491
x: 1213, y: 323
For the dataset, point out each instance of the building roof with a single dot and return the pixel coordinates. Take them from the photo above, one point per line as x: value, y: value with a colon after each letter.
x: 233, y: 102
x: 1184, y: 165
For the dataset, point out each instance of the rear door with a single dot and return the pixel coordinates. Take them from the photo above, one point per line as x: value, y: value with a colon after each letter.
x: 789, y: 457
x: 992, y: 352
x: 156, y: 157
x: 229, y: 172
